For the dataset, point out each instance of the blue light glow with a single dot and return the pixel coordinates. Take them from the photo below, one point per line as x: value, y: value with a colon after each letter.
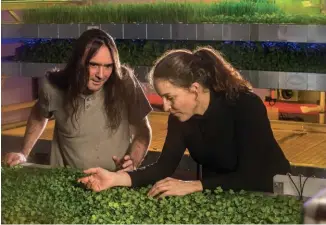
x: 246, y: 44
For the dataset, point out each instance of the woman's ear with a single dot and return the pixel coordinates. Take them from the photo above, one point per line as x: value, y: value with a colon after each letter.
x: 195, y: 88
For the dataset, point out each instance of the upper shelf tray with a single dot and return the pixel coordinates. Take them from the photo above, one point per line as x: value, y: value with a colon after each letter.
x: 203, y: 32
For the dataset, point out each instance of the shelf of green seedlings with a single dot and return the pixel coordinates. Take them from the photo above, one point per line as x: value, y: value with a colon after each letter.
x: 263, y: 56
x: 38, y: 195
x: 265, y: 65
x: 242, y: 11
x: 243, y: 20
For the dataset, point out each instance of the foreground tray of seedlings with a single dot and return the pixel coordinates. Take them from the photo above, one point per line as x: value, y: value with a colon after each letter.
x: 36, y: 195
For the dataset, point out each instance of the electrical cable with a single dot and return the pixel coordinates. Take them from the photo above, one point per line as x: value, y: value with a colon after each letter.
x: 300, y: 192
x: 289, y: 175
x: 302, y: 186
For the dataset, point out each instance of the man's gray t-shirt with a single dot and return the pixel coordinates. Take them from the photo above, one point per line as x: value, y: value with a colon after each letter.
x: 89, y: 142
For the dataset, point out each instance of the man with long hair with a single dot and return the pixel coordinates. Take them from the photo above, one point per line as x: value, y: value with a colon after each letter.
x: 99, y: 107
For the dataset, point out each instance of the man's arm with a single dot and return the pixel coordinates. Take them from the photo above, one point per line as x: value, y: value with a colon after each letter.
x: 35, y: 126
x: 140, y: 143
x: 138, y: 108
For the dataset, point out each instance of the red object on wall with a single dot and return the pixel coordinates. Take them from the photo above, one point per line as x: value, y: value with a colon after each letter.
x: 284, y: 107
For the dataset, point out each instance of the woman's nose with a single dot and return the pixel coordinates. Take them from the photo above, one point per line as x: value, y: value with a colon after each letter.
x: 166, y: 106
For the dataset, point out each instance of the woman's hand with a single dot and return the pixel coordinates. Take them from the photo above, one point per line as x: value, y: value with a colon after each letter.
x: 173, y: 187
x: 101, y: 179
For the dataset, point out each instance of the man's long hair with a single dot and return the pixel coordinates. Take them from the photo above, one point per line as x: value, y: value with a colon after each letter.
x: 73, y: 79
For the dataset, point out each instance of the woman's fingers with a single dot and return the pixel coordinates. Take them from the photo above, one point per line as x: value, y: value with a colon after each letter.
x: 92, y: 170
x: 156, y: 189
x: 84, y: 180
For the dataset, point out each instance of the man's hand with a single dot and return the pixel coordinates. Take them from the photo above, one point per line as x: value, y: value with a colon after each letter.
x: 125, y: 164
x: 173, y: 187
x: 14, y: 158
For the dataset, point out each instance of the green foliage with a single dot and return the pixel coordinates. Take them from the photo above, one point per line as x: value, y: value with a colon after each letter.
x: 243, y: 55
x: 31, y: 195
x: 244, y: 11
x: 299, y: 7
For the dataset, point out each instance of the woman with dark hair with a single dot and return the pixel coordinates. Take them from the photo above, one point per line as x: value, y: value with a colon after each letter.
x: 95, y: 101
x: 216, y: 116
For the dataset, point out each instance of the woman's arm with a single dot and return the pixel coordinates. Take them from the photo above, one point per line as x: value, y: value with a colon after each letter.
x: 172, y: 152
